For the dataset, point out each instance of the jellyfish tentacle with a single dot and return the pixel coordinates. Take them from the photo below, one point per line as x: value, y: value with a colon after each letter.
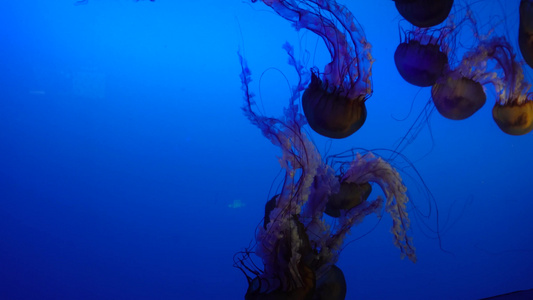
x: 350, y: 50
x: 369, y: 168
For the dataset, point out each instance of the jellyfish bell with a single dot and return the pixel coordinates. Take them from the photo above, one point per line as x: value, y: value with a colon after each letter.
x: 424, y: 13
x: 332, y: 113
x: 350, y: 195
x: 331, y: 285
x: 419, y: 64
x: 514, y: 119
x: 457, y: 98
x: 525, y: 31
x: 420, y: 59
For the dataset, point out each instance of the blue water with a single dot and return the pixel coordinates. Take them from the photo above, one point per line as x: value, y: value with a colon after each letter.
x: 127, y: 170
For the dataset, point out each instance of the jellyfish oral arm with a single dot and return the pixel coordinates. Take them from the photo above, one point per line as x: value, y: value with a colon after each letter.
x: 369, y: 168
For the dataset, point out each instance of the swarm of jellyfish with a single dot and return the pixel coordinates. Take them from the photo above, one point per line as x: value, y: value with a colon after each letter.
x: 458, y: 87
x: 297, y: 246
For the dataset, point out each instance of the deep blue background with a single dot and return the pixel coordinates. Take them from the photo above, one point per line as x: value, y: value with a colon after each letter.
x: 123, y: 152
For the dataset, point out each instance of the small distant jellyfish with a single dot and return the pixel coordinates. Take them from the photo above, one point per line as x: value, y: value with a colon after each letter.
x: 525, y: 31
x: 424, y: 13
x: 334, y: 101
x: 423, y: 55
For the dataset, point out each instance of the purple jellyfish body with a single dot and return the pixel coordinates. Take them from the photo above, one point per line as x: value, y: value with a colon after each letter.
x: 424, y: 13
x: 525, y: 31
x: 297, y: 247
x: 423, y: 56
x: 334, y: 101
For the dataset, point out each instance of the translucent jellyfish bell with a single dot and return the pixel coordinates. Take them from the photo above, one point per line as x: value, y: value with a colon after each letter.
x: 422, y: 56
x: 424, y: 13
x: 457, y: 98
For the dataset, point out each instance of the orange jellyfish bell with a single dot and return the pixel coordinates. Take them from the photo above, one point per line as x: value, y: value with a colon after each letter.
x: 525, y: 31
x: 424, y: 13
x: 457, y: 98
x: 514, y: 119
x: 332, y: 113
x: 331, y: 285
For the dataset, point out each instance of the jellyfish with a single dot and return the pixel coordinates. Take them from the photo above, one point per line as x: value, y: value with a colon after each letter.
x: 525, y: 31
x: 349, y: 196
x: 513, y: 110
x: 422, y: 56
x: 424, y: 13
x: 298, y: 248
x: 457, y: 97
x: 334, y: 101
x: 458, y: 93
